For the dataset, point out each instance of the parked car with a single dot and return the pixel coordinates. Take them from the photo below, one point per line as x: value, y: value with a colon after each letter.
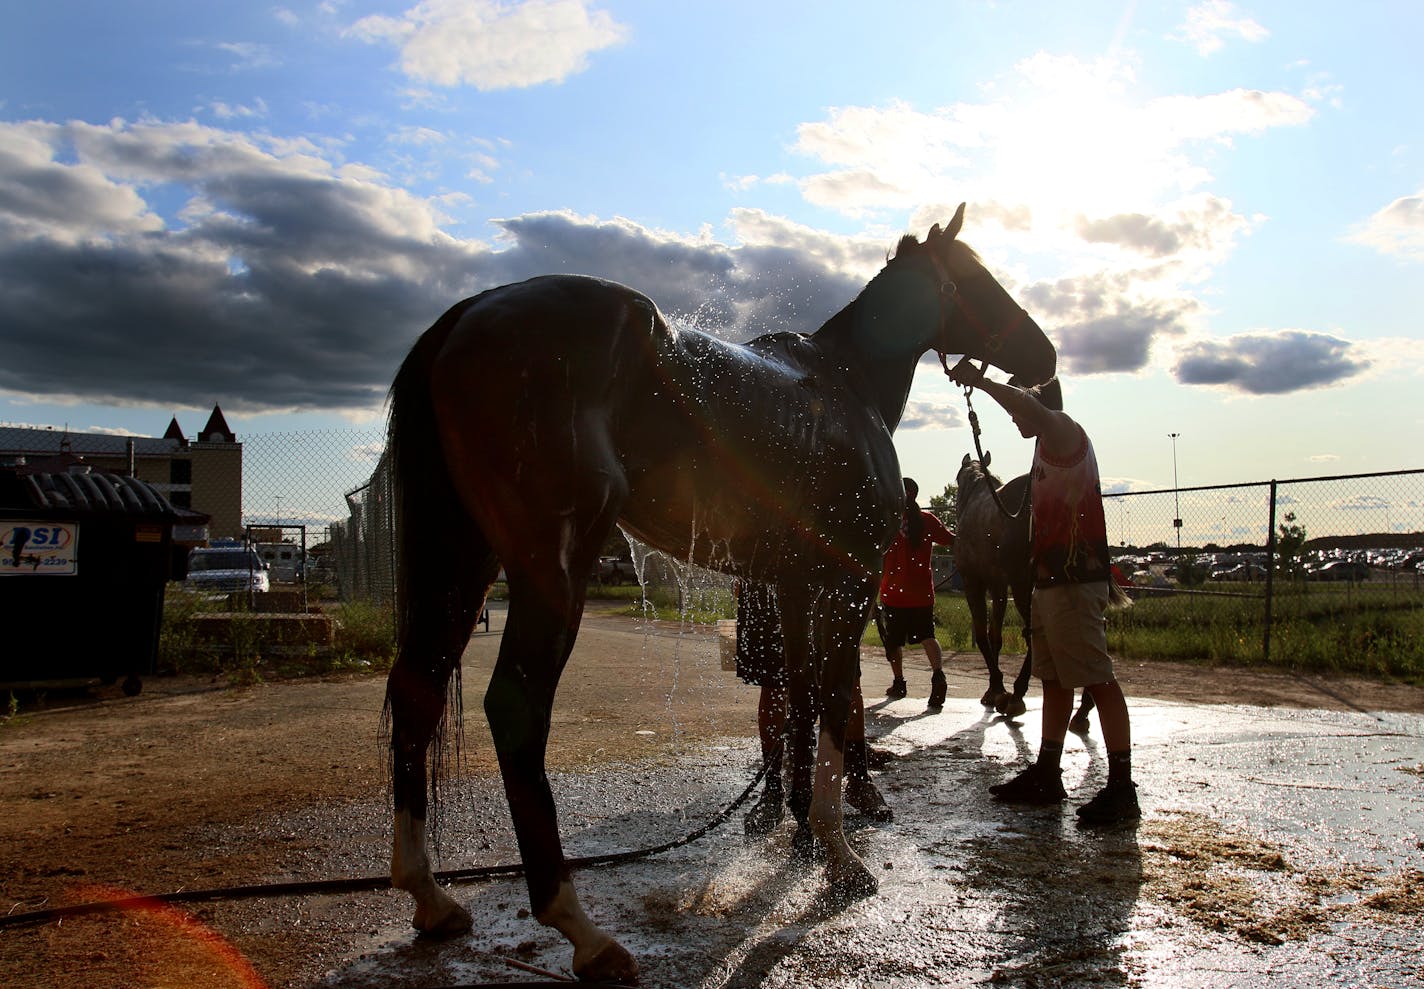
x: 615, y: 570
x: 220, y: 570
x: 1242, y: 571
x: 1340, y: 570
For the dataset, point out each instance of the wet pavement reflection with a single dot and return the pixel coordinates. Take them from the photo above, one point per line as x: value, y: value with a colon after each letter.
x: 1277, y: 848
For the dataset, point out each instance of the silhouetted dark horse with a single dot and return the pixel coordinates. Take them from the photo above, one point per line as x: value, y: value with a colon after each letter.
x: 533, y: 418
x: 992, y: 553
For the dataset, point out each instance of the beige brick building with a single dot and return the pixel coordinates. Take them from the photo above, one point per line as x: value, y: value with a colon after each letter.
x: 204, y: 473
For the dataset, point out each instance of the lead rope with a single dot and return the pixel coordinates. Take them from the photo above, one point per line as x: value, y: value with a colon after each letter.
x: 974, y: 428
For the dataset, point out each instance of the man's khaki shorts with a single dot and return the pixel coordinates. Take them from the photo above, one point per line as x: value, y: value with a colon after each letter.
x: 1070, y: 634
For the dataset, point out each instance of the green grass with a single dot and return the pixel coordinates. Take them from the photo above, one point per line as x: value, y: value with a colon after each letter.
x: 1370, y: 631
x: 364, y: 641
x: 1375, y: 632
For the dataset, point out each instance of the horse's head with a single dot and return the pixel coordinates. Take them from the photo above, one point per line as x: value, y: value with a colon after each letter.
x: 971, y: 470
x: 979, y: 318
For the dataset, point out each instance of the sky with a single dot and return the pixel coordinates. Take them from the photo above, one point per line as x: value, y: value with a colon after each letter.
x: 1214, y: 209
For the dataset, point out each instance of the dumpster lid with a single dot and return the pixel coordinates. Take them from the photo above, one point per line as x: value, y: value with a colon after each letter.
x: 92, y: 493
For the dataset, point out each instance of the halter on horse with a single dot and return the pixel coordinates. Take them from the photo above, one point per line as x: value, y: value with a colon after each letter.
x: 533, y: 418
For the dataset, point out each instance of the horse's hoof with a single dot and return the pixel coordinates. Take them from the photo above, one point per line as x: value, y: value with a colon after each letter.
x: 611, y: 963
x: 451, y: 920
x: 1011, y: 706
x: 1080, y: 725
x: 764, y: 817
x: 853, y: 881
x: 991, y: 698
x: 804, y: 846
x: 862, y: 796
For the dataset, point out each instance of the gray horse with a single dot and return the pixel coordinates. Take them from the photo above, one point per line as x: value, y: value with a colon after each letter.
x: 992, y: 551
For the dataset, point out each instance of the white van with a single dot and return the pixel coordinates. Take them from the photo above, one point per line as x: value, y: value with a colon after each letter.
x: 285, y: 561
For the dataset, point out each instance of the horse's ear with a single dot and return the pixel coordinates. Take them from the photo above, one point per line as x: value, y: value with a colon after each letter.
x: 985, y: 462
x: 934, y: 234
x: 954, y: 225
x: 965, y: 462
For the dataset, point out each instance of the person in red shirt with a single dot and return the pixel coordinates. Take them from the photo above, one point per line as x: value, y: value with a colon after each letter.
x: 907, y: 595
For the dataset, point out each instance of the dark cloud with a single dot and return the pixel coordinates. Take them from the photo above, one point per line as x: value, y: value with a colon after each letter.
x: 736, y: 293
x: 278, y: 284
x: 1097, y: 324
x: 1271, y: 363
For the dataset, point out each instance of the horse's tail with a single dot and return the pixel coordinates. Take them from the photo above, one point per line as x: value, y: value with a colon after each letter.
x: 443, y: 561
x: 1117, y: 597
x: 425, y: 502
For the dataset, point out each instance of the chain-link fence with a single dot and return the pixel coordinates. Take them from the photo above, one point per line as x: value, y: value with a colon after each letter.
x: 1244, y: 560
x: 1258, y: 553
x: 332, y: 482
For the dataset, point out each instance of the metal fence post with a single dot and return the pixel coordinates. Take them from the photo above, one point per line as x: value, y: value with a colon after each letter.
x: 1270, y: 574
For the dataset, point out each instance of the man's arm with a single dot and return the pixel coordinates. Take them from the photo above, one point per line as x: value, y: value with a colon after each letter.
x: 1057, y: 433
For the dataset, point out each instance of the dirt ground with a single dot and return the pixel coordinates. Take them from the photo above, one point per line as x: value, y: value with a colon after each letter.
x: 194, y: 784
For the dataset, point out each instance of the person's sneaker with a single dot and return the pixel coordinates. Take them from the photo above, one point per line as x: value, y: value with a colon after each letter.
x: 1032, y: 786
x: 765, y: 815
x: 1114, y: 804
x: 897, y: 689
x: 865, y: 798
x: 938, y: 688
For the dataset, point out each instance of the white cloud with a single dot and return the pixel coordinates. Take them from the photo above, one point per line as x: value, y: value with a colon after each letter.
x: 1069, y: 165
x: 249, y: 55
x: 1397, y: 229
x: 237, y: 111
x: 1208, y: 24
x: 931, y: 415
x: 1063, y: 137
x: 493, y: 45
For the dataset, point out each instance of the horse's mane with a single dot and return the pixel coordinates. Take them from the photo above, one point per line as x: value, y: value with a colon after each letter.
x: 910, y: 243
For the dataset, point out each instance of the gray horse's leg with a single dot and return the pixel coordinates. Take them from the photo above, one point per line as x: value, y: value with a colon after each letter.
x: 974, y: 593
x: 1080, y: 723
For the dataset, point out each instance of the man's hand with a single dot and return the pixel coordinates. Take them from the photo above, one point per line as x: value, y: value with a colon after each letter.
x: 965, y: 373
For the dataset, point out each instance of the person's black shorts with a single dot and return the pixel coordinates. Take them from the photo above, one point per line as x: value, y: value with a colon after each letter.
x: 761, y: 657
x: 759, y: 650
x: 904, y: 626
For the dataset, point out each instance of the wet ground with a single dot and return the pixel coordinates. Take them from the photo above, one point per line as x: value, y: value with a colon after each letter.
x: 1277, y: 848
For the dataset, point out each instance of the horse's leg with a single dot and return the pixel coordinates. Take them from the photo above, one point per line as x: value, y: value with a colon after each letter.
x: 538, y: 638
x: 764, y: 817
x: 441, y: 588
x: 837, y: 624
x: 1080, y: 723
x: 974, y: 592
x: 798, y: 744
x: 440, y: 616
x: 1014, y: 705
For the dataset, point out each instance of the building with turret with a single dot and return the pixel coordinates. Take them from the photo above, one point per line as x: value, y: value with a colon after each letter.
x: 203, y: 473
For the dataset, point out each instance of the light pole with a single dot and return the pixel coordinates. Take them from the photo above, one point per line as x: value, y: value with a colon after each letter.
x: 1176, y: 493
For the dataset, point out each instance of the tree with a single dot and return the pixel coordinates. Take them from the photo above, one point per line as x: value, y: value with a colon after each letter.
x: 1289, y: 544
x: 944, y: 505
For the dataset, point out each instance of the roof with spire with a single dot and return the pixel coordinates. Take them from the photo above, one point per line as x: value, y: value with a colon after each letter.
x: 37, y: 442
x: 216, y: 431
